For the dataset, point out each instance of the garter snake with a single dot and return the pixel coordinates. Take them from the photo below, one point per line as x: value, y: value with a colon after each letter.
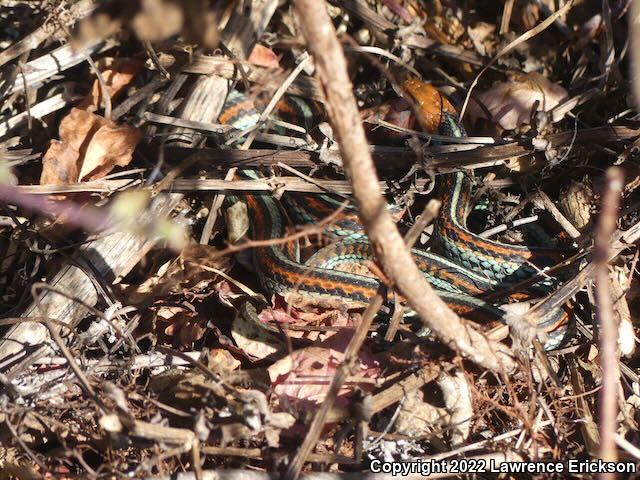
x: 468, y: 266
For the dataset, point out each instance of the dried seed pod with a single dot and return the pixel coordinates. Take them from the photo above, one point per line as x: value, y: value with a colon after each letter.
x: 576, y: 204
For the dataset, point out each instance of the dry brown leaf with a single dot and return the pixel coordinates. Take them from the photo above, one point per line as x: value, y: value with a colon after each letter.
x: 512, y: 103
x: 237, y: 221
x: 276, y: 424
x: 112, y: 145
x: 77, y: 126
x: 62, y: 162
x: 59, y: 164
x: 220, y: 360
x: 196, y: 266
x: 631, y: 172
x: 89, y: 147
x: 191, y: 274
x: 287, y: 315
x: 529, y: 15
x: 576, y: 202
x: 117, y: 74
x: 481, y: 36
x: 417, y: 416
x: 396, y: 112
x: 255, y: 341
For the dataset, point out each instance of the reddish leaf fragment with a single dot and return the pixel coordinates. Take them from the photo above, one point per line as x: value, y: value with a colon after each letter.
x: 262, y: 56
x: 118, y: 75
x: 304, y: 376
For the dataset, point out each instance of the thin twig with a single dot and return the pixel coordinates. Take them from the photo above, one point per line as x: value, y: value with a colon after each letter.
x: 383, y: 53
x: 25, y: 447
x: 103, y: 88
x: 172, y: 184
x: 506, y: 16
x: 428, y: 214
x: 604, y: 313
x: 302, y: 63
x: 557, y: 215
x: 47, y: 30
x: 216, y: 203
x: 504, y: 226
x: 388, y: 244
x: 396, y: 260
x: 350, y: 357
x: 608, y: 52
x: 84, y: 383
x: 27, y: 103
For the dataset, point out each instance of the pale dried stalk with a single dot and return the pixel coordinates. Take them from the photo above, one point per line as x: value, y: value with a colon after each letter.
x: 606, y: 320
x: 389, y: 246
x: 287, y: 184
x: 388, y: 243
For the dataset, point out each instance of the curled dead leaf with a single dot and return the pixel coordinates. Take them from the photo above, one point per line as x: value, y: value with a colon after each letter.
x: 220, y: 360
x: 59, y: 164
x: 191, y: 274
x: 112, y: 145
x: 183, y: 326
x: 237, y: 220
x: 291, y: 316
x: 255, y: 340
x: 576, y: 202
x: 512, y: 104
x: 117, y: 74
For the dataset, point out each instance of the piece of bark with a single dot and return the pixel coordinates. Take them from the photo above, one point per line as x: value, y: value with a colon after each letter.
x: 108, y: 257
x: 246, y: 26
x: 203, y: 104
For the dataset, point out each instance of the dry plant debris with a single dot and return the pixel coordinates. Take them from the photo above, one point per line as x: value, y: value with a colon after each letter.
x: 177, y: 179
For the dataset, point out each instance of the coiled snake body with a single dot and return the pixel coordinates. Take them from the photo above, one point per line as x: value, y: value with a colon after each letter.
x: 469, y: 266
